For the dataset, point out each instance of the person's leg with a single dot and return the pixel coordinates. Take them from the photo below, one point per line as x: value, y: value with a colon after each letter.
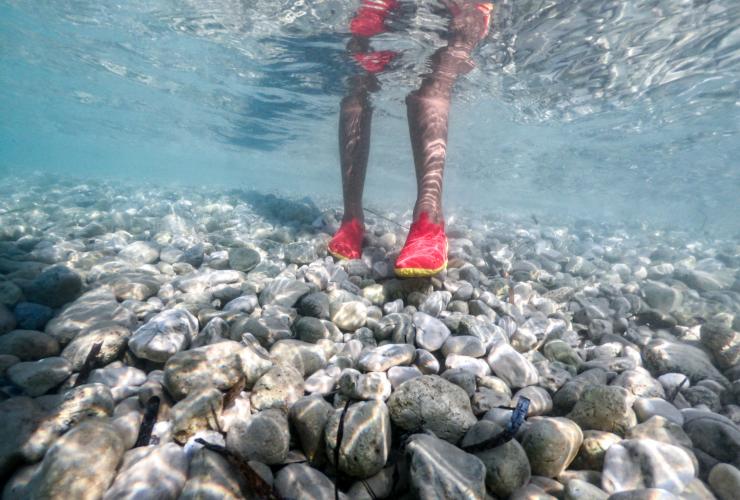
x: 425, y: 251
x: 428, y: 107
x: 355, y: 118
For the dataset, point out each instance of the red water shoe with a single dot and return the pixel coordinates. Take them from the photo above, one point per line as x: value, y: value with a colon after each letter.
x: 425, y: 251
x: 347, y: 243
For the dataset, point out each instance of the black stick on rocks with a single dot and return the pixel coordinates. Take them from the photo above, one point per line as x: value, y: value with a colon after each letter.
x: 147, y: 423
x: 89, y: 363
x: 256, y: 486
x: 678, y: 389
x: 340, y: 435
x: 517, y: 419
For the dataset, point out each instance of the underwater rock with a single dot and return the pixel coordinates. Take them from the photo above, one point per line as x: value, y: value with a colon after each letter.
x: 54, y: 287
x: 164, y: 335
x: 366, y: 439
x: 217, y: 365
x: 279, y: 387
x: 162, y: 468
x: 38, y: 377
x: 264, y: 437
x: 433, y: 404
x: 81, y: 464
x: 28, y: 345
x: 644, y: 463
x: 604, y: 408
x: 551, y: 444
x: 439, y: 469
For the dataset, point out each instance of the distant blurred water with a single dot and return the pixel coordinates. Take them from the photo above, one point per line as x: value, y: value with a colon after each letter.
x: 607, y: 109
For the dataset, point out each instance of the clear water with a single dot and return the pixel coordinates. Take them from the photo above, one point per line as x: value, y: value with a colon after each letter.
x: 611, y: 109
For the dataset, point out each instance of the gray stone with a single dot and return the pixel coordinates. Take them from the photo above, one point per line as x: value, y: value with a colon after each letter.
x: 473, y: 365
x: 305, y: 357
x: 244, y: 304
x: 431, y: 403
x: 576, y: 489
x: 426, y: 362
x: 302, y: 482
x: 384, y: 357
x: 309, y: 416
x: 243, y: 259
x: 507, y: 465
x: 435, y: 303
x: 315, y: 305
x: 7, y: 320
x: 604, y: 408
x: 431, y: 333
x: 720, y: 338
x: 283, y: 292
x: 28, y: 345
x: 77, y: 404
x: 349, y: 316
x: 255, y: 363
x: 516, y: 370
x: 644, y: 463
x: 644, y: 494
x: 540, y: 402
x: 365, y: 387
x: 725, y: 481
x: 92, y: 308
x: 217, y: 365
x: 164, y: 335
x: 300, y: 252
x: 10, y: 293
x: 649, y: 407
x: 123, y: 380
x: 163, y: 469
x: 112, y: 336
x: 279, y: 387
x: 713, y: 434
x: 366, y: 440
x: 19, y: 415
x: 264, y: 437
x: 197, y: 412
x: 212, y: 477
x: 663, y: 356
x: 38, y: 377
x: 140, y: 252
x: 310, y: 329
x: 464, y: 379
x: 441, y: 470
x: 465, y: 345
x: 81, y: 464
x: 640, y: 384
x: 591, y: 454
x: 397, y: 375
x: 662, y: 296
x: 55, y: 287
x: 551, y: 444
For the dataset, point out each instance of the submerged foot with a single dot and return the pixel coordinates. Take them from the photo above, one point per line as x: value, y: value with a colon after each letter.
x: 347, y: 242
x: 425, y: 251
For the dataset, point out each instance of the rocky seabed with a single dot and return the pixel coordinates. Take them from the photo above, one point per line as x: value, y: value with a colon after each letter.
x: 192, y: 343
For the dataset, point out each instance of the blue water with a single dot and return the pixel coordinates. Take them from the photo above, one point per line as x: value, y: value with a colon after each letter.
x: 618, y: 109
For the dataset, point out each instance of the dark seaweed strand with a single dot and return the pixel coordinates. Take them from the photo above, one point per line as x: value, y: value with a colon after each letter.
x: 147, y: 423
x: 259, y: 488
x: 340, y: 435
x: 89, y: 363
x: 678, y: 388
x: 369, y: 489
x: 518, y: 415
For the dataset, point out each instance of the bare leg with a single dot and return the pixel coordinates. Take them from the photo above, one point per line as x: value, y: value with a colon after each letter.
x: 354, y: 144
x: 354, y: 124
x: 428, y: 108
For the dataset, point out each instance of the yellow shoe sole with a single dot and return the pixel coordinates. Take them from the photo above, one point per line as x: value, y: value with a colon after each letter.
x: 418, y: 272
